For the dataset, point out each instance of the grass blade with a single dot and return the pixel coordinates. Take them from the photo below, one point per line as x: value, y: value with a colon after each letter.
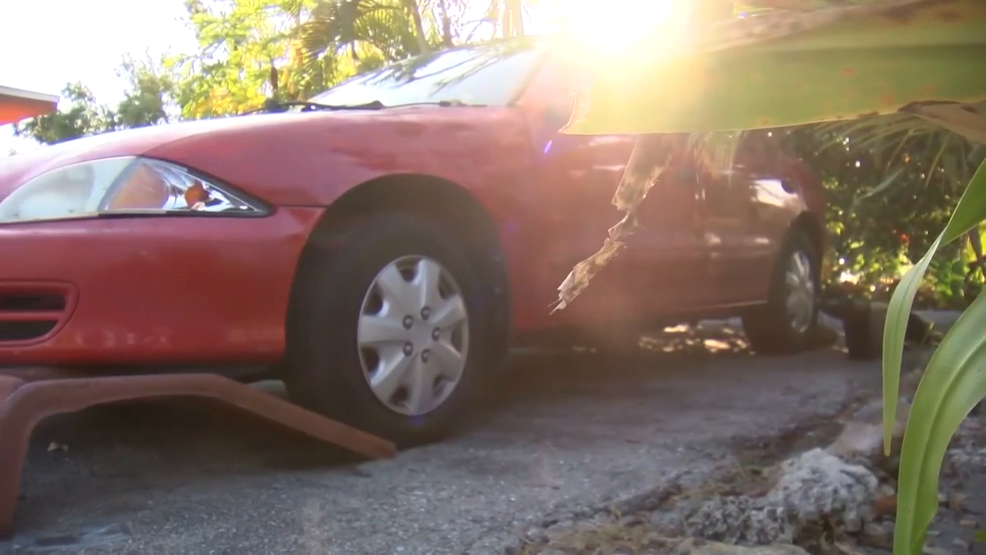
x: 879, y: 188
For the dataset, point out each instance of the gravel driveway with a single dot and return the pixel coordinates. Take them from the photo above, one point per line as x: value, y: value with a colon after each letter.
x: 571, y: 434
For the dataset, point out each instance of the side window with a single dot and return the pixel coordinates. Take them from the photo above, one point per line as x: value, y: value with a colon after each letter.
x: 555, y: 88
x: 559, y: 110
x: 760, y: 149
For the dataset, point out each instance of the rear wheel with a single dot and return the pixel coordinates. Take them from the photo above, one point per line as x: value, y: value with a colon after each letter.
x: 787, y: 323
x: 386, y: 331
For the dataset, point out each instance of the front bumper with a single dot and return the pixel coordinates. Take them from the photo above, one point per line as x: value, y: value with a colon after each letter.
x: 149, y: 290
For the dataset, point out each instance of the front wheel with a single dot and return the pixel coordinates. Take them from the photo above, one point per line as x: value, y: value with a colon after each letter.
x: 788, y: 321
x: 388, y: 329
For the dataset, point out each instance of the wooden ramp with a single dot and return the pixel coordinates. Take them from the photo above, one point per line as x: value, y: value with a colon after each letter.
x: 28, y: 396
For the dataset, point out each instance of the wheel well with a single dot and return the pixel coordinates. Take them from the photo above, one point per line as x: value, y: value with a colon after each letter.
x: 435, y: 198
x: 813, y: 229
x: 441, y: 201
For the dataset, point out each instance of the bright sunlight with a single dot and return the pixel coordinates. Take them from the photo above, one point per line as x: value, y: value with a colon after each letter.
x: 615, y: 24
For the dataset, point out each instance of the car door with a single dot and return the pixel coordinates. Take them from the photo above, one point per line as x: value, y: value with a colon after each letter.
x: 673, y: 260
x: 743, y: 204
x: 663, y: 267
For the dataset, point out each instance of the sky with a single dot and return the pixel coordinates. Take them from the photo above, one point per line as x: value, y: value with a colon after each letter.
x: 51, y: 43
x: 48, y: 44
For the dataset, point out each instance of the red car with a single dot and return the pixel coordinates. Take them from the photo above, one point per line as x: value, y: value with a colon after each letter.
x: 380, y: 250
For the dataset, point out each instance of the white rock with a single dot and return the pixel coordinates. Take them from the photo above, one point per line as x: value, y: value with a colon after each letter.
x: 818, y: 486
x: 742, y: 520
x: 813, y: 488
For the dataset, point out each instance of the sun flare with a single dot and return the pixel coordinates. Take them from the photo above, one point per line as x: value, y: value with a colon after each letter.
x: 611, y: 25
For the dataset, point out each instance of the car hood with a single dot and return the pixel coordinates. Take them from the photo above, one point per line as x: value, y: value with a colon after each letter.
x: 19, y: 168
x: 311, y: 158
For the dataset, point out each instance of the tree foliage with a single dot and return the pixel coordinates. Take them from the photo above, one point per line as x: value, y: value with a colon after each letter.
x: 243, y: 48
x: 149, y: 98
x: 252, y: 50
x: 366, y: 33
x: 84, y: 116
x: 876, y: 233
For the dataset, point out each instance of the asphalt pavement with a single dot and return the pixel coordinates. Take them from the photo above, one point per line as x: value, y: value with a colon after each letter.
x: 571, y: 433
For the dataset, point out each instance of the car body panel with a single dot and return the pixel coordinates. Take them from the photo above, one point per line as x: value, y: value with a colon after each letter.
x: 749, y: 208
x: 486, y: 151
x: 157, y: 289
x: 321, y: 155
x: 578, y: 176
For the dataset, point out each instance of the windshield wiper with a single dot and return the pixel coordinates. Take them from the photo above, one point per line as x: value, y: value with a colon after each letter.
x: 273, y: 106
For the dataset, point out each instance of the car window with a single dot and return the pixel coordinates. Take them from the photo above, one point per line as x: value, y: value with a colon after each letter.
x: 560, y: 79
x: 490, y: 74
x: 760, y: 148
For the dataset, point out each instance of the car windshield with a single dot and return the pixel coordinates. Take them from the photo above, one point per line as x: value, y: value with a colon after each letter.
x: 489, y: 74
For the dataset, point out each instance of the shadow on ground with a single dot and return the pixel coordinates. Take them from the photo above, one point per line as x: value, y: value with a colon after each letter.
x: 189, y: 432
x: 675, y: 351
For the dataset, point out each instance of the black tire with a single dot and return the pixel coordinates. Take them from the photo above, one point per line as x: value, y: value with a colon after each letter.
x: 769, y: 326
x: 323, y: 370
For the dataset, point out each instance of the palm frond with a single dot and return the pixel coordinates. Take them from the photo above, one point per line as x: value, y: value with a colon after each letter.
x: 900, y: 139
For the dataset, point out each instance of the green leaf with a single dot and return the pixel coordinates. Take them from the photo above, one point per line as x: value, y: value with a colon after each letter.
x: 980, y: 536
x: 952, y: 385
x: 970, y: 210
x: 954, y: 382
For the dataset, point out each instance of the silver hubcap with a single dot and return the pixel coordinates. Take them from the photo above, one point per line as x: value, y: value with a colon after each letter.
x: 800, y: 292
x: 413, y: 335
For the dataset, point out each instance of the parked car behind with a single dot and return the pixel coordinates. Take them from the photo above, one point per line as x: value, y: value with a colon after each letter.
x: 381, y: 249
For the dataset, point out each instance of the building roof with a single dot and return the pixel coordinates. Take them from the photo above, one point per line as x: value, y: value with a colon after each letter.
x: 17, y: 104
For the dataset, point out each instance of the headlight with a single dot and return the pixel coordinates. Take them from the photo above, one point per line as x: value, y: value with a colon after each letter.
x: 129, y: 185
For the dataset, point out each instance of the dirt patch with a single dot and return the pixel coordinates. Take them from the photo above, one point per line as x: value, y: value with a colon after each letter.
x: 654, y: 524
x: 813, y: 432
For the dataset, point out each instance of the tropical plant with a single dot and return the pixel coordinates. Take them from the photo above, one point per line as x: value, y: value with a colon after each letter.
x: 890, y: 189
x: 805, y: 61
x: 377, y: 32
x: 931, y: 166
x: 380, y: 30
x: 243, y: 48
x: 149, y: 98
